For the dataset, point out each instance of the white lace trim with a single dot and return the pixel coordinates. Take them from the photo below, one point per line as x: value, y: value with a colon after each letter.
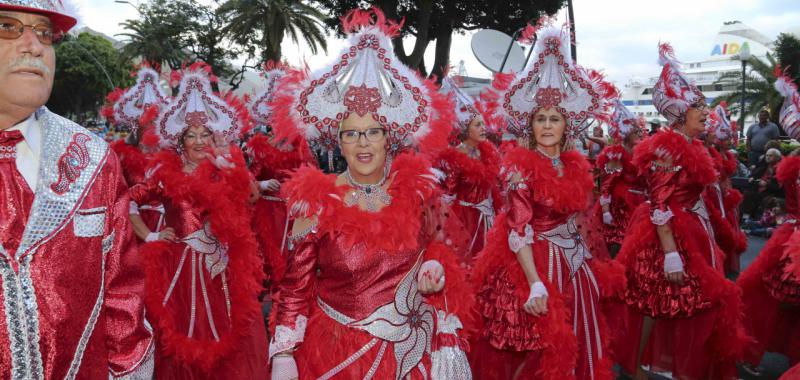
x: 286, y: 337
x: 661, y: 218
x: 605, y: 200
x: 516, y: 242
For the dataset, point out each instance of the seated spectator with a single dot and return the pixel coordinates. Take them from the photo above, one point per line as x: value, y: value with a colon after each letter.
x: 774, y: 216
x: 762, y: 184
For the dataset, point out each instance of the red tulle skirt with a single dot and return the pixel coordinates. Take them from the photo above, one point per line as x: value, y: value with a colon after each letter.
x: 698, y: 332
x: 327, y: 344
x: 545, y: 347
x: 771, y: 299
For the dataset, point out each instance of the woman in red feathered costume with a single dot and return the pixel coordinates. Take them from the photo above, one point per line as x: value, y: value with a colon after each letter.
x: 203, y: 278
x: 368, y: 292
x: 721, y: 200
x: 538, y: 289
x: 683, y: 316
x: 770, y: 286
x: 621, y: 187
x: 136, y: 108
x: 471, y: 170
x: 271, y: 162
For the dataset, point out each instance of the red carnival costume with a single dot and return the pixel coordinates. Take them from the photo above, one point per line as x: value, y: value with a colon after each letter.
x: 136, y: 108
x: 721, y: 200
x: 71, y: 302
x: 272, y: 160
x: 698, y: 332
x: 568, y: 341
x: 621, y: 187
x: 770, y: 291
x: 349, y: 302
x: 471, y: 183
x: 202, y: 291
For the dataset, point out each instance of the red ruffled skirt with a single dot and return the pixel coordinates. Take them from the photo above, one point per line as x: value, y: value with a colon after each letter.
x: 623, y: 203
x: 698, y: 332
x: 513, y: 344
x: 771, y: 299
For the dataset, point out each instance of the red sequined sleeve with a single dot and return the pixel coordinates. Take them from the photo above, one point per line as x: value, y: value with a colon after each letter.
x: 295, y: 295
x: 519, y: 215
x: 661, y: 184
x: 128, y: 340
x: 146, y: 192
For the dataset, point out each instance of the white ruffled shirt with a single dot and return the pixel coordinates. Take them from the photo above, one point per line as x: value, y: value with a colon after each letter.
x: 28, y: 150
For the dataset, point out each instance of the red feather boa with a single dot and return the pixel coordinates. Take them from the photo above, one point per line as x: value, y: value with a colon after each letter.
x: 667, y: 144
x: 133, y: 161
x: 268, y: 161
x: 568, y: 193
x: 483, y: 172
x: 223, y: 196
x: 310, y: 193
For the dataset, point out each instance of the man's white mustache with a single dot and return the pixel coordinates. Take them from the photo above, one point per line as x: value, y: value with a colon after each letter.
x: 27, y: 62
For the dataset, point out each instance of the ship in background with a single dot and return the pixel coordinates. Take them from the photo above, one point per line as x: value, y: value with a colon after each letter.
x: 723, y: 58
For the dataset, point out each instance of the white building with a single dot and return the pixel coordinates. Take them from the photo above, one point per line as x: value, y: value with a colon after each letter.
x: 723, y: 57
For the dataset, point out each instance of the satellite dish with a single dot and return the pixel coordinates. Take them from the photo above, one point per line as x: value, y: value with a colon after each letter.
x: 490, y: 46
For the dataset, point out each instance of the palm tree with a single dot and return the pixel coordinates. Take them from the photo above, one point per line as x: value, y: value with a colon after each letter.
x: 759, y: 91
x: 263, y: 24
x: 159, y: 35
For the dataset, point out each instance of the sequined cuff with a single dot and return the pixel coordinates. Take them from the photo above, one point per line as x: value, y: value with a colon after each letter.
x: 133, y: 208
x: 296, y: 237
x: 517, y: 242
x: 661, y: 218
x: 142, y: 371
x: 605, y: 200
x: 287, y: 338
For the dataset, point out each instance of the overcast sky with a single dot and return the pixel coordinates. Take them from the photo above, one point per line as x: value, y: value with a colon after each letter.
x: 619, y: 37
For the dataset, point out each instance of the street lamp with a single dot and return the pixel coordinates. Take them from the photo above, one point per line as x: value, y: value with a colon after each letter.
x: 744, y: 56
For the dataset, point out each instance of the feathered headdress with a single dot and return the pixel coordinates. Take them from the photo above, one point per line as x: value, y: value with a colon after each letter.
x: 366, y: 78
x: 146, y: 96
x: 674, y: 93
x: 552, y: 79
x: 790, y: 111
x: 196, y: 104
x: 623, y: 122
x: 261, y: 107
x: 465, y: 107
x: 718, y: 122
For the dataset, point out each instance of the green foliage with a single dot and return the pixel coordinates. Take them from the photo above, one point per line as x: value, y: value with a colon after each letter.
x: 87, y: 68
x: 787, y: 50
x: 759, y: 90
x: 429, y: 20
x: 259, y: 26
x: 163, y: 32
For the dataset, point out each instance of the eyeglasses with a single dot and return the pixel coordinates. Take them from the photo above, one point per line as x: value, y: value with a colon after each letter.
x: 352, y: 136
x: 699, y: 106
x: 11, y: 29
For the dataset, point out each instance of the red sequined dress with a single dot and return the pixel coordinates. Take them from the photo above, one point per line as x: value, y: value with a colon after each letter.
x: 270, y: 221
x: 201, y: 293
x: 471, y: 188
x: 621, y: 188
x: 348, y: 303
x: 698, y: 332
x: 569, y: 341
x: 721, y: 200
x: 134, y: 164
x: 771, y: 294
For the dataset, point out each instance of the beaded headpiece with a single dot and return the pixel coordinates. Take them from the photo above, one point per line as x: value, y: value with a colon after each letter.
x: 623, y: 122
x: 136, y: 100
x: 366, y: 78
x: 261, y: 107
x: 674, y: 93
x: 790, y: 111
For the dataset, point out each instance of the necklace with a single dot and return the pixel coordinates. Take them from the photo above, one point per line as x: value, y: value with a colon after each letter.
x: 472, y: 151
x: 554, y: 160
x: 371, y: 193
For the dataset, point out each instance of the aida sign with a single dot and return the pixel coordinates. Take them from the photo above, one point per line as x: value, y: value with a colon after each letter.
x: 729, y: 48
